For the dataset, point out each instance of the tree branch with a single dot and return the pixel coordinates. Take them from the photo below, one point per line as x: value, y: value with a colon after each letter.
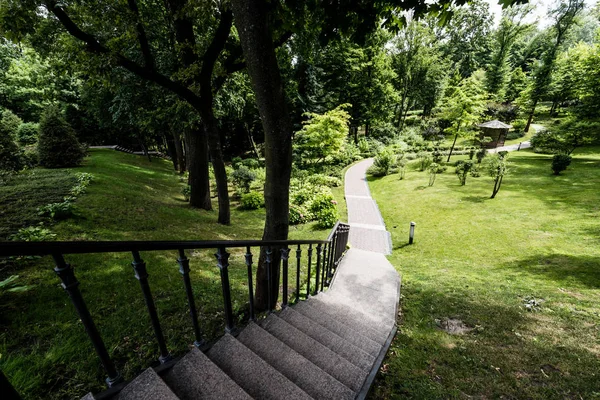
x: 213, y: 51
x: 94, y: 46
x: 141, y: 35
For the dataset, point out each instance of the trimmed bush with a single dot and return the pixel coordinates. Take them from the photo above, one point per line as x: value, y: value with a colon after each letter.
x: 298, y: 215
x: 10, y: 154
x: 27, y: 133
x: 324, y: 209
x: 243, y: 178
x: 324, y: 180
x: 252, y: 201
x: 10, y: 123
x: 57, y: 145
x: 560, y: 162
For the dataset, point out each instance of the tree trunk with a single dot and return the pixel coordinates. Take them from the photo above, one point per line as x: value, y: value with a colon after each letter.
x: 179, y: 152
x: 530, y: 119
x: 216, y: 155
x: 251, y: 20
x: 171, y: 150
x: 198, y: 168
x: 367, y: 128
x: 452, y: 148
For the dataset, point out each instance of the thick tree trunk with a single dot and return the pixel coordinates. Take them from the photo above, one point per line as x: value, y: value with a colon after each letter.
x: 198, y: 168
x: 179, y: 152
x: 251, y: 20
x: 171, y: 150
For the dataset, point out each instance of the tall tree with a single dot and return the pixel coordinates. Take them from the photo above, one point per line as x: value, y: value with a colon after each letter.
x: 564, y: 16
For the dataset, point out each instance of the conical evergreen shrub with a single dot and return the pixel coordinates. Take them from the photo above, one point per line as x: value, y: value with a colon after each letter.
x: 10, y: 154
x: 58, y: 146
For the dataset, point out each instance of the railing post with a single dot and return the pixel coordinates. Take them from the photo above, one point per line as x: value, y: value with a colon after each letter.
x: 298, y: 256
x: 319, y: 251
x: 310, y: 251
x: 324, y: 269
x: 250, y: 289
x: 223, y: 264
x: 285, y: 253
x: 70, y: 285
x: 184, y: 270
x: 268, y: 261
x: 141, y: 274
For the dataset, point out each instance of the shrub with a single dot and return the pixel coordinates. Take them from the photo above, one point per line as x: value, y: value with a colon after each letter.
x: 298, y: 215
x: 252, y: 201
x: 186, y: 191
x: 57, y: 145
x: 57, y: 211
x: 519, y: 125
x: 514, y: 135
x: 425, y: 160
x: 436, y: 156
x: 10, y: 154
x: 10, y: 123
x: 235, y: 162
x: 326, y: 218
x: 434, y: 169
x: 385, y: 160
x: 560, y: 162
x: 243, y: 178
x: 481, y: 154
x: 322, y: 201
x: 251, y: 163
x: 27, y: 133
x: 462, y: 170
x: 402, y: 167
x: 324, y: 180
x: 33, y: 234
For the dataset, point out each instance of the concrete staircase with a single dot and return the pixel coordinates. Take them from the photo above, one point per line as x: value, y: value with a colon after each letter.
x: 327, y: 347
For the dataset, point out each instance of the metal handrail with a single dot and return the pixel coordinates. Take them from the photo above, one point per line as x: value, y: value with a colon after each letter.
x: 328, y: 255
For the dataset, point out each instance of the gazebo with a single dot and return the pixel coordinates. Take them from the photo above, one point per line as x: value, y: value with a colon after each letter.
x: 496, y: 130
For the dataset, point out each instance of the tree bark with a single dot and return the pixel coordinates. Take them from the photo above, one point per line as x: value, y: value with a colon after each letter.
x: 530, y: 119
x: 198, y: 168
x: 452, y: 148
x: 252, y: 22
x: 171, y: 150
x: 216, y: 155
x: 179, y: 152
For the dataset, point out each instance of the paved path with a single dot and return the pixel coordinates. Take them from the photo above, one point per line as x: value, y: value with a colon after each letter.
x: 523, y: 145
x: 367, y: 229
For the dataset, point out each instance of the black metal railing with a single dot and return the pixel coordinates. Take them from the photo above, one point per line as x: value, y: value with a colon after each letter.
x: 329, y: 253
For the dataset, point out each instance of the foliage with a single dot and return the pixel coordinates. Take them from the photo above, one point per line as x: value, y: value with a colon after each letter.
x: 324, y: 180
x: 382, y: 163
x: 252, y: 201
x: 560, y: 162
x: 324, y: 210
x: 27, y: 133
x: 497, y: 167
x: 462, y: 170
x: 243, y: 178
x: 9, y: 285
x: 57, y: 211
x: 322, y: 135
x: 434, y: 169
x: 10, y: 123
x: 566, y: 137
x: 424, y: 160
x: 186, y: 191
x: 481, y: 154
x: 33, y: 234
x: 57, y: 145
x: 298, y: 215
x: 10, y: 154
x: 402, y: 167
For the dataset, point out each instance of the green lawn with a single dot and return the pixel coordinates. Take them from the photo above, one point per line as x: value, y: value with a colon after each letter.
x: 481, y: 261
x: 43, y: 348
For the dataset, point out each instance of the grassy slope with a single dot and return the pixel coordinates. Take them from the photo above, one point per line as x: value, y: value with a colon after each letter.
x: 480, y: 260
x: 45, y: 352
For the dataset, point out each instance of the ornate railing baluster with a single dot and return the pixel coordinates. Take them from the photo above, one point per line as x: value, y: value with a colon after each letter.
x: 324, y: 269
x: 184, y: 270
x: 285, y: 253
x: 310, y: 251
x: 330, y: 259
x: 298, y: 256
x: 319, y: 253
x: 223, y: 264
x: 250, y: 289
x: 141, y: 274
x: 268, y: 261
x: 71, y: 285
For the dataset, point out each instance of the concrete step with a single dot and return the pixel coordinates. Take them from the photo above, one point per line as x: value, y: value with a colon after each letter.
x: 349, y: 317
x: 306, y: 375
x: 327, y: 338
x: 147, y: 386
x: 320, y: 355
x: 375, y: 316
x: 251, y: 372
x: 344, y: 331
x: 195, y: 376
x: 345, y: 309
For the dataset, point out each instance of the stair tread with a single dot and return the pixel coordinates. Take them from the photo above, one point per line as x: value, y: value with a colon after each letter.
x: 252, y: 373
x: 344, y: 331
x: 355, y: 318
x: 306, y: 375
x: 320, y: 355
x: 147, y: 386
x: 329, y: 339
x: 195, y: 376
x: 382, y: 321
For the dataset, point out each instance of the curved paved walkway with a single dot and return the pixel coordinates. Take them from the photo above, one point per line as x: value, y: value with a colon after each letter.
x: 367, y: 229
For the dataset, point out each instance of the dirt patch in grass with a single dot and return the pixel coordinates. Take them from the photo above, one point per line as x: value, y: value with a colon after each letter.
x: 453, y: 326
